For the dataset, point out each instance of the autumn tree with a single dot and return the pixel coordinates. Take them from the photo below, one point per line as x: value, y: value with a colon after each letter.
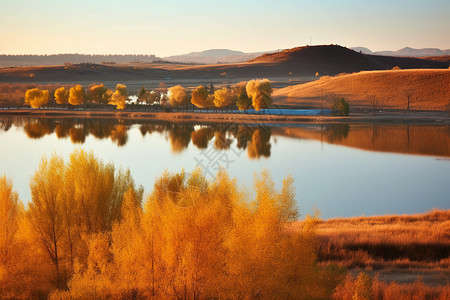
x: 77, y: 95
x: 119, y: 97
x: 201, y: 98
x: 36, y: 98
x: 178, y: 95
x: 46, y: 211
x: 98, y: 94
x: 339, y: 107
x: 243, y: 102
x: 62, y: 95
x: 223, y: 97
x: 260, y: 92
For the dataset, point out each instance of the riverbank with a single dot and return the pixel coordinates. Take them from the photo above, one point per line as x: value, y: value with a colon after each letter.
x: 208, y: 117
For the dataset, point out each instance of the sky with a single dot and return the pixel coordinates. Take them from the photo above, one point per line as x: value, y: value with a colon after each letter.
x: 171, y: 27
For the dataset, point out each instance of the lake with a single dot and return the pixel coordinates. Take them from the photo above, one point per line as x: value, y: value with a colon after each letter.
x: 342, y: 170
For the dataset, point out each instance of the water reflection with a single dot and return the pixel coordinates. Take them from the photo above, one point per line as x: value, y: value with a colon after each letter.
x: 411, y: 139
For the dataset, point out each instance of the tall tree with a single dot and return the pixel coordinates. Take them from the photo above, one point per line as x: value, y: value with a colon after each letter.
x: 62, y: 95
x: 223, y: 97
x: 260, y: 91
x: 98, y: 94
x: 201, y: 98
x: 77, y: 95
x: 46, y: 210
x: 178, y: 95
x: 36, y: 98
x: 119, y: 97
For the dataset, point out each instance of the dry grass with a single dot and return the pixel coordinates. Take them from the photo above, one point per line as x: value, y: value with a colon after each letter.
x: 419, y: 241
x: 429, y: 88
x: 363, y: 287
x: 12, y: 94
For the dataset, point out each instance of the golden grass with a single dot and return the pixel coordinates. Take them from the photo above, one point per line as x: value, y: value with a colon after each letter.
x: 420, y: 241
x: 363, y: 287
x: 430, y: 88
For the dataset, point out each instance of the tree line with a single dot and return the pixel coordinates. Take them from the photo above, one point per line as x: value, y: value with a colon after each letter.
x: 244, y: 95
x: 88, y: 234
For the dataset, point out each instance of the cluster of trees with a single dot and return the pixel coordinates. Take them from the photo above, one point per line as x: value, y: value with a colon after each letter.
x: 87, y: 235
x: 77, y: 95
x: 244, y: 95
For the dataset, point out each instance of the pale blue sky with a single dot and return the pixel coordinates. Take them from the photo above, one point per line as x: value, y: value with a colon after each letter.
x: 169, y: 27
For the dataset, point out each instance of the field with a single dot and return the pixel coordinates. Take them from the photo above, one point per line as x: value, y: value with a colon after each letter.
x: 397, y: 248
x: 426, y: 88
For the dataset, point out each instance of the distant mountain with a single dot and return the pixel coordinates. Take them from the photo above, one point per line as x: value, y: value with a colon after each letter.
x: 362, y: 50
x: 60, y: 59
x: 407, y: 51
x: 214, y: 56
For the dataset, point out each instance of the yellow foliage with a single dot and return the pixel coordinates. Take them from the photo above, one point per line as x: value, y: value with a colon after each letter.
x: 260, y: 92
x: 201, y: 98
x: 62, y: 95
x: 36, y: 98
x: 119, y: 97
x: 77, y: 95
x: 99, y: 94
x: 177, y: 95
x: 224, y: 97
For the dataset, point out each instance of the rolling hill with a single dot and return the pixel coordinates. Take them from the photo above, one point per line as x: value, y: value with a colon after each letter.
x: 429, y: 88
x: 301, y: 62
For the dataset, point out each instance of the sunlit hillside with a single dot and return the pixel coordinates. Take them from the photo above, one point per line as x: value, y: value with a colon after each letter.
x: 385, y: 89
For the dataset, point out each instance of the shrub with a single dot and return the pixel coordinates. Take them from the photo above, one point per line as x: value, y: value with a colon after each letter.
x: 340, y: 107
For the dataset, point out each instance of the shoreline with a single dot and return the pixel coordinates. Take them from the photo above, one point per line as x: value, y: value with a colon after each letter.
x: 430, y: 118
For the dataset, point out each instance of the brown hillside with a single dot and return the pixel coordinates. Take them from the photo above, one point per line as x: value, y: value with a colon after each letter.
x: 293, y: 63
x: 429, y: 88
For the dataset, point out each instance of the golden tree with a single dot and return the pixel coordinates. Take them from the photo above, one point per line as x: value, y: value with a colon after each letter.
x: 46, y: 210
x: 36, y: 98
x: 224, y: 97
x: 77, y: 95
x: 99, y: 94
x: 177, y: 95
x: 260, y: 92
x: 119, y: 97
x: 201, y: 98
x: 62, y: 95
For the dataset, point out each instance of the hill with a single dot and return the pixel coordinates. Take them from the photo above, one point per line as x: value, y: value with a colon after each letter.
x: 302, y: 62
x: 213, y: 56
x: 406, y: 51
x: 428, y: 89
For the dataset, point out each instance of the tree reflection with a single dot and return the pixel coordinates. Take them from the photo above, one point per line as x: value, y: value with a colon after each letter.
x: 36, y: 129
x: 221, y: 142
x: 259, y: 145
x: 180, y: 137
x: 119, y: 134
x: 202, y: 136
x: 78, y: 134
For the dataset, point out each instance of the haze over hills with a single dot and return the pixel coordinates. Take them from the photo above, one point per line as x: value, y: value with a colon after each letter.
x: 300, y: 62
x: 213, y: 56
x: 407, y: 51
x: 60, y: 59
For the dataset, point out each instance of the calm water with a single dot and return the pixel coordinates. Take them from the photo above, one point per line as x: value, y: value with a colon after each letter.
x: 343, y: 170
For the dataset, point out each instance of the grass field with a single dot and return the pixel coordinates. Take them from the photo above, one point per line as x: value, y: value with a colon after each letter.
x: 426, y: 89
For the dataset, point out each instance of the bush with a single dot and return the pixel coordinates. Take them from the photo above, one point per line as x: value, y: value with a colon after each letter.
x: 339, y: 107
